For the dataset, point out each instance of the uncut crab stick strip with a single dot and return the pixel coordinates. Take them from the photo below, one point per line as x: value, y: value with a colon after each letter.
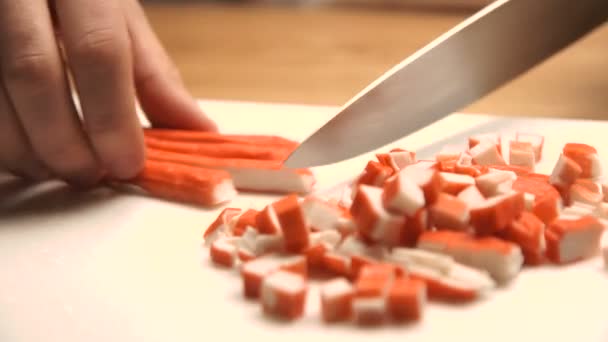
x: 220, y: 150
x: 214, y: 137
x: 284, y: 295
x: 573, y: 239
x: 182, y: 183
x: 336, y: 300
x: 247, y: 174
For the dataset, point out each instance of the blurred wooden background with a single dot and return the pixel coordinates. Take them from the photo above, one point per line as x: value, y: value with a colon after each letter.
x: 316, y: 53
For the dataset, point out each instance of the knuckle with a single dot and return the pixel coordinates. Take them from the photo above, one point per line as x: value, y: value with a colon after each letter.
x: 28, y: 68
x: 98, y: 47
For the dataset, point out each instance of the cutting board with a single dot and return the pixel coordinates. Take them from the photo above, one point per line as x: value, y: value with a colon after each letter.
x: 103, y: 266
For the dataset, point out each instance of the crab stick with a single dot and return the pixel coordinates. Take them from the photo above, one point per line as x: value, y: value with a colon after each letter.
x: 448, y: 153
x: 518, y: 170
x: 254, y: 271
x: 522, y: 154
x: 406, y: 299
x: 199, y: 186
x: 336, y: 300
x: 495, y: 182
x: 293, y: 223
x: 426, y: 177
x: 493, y: 138
x: 471, y: 196
x: 414, y: 226
x: 283, y: 294
x: 565, y: 172
x: 240, y: 222
x: 375, y: 173
x: 247, y: 174
x: 415, y: 256
x: 586, y: 191
x: 214, y: 137
x: 486, y: 153
x: 464, y: 165
x: 586, y: 157
x: 573, y: 239
x: 397, y: 159
x: 528, y: 232
x: 267, y: 222
x: 220, y: 226
x: 259, y: 244
x: 373, y: 221
x: 223, y: 251
x: 547, y: 200
x: 537, y: 142
x: 371, y: 290
x: 449, y: 212
x: 495, y: 213
x: 402, y: 195
x: 337, y: 264
x: 453, y: 183
x: 323, y: 215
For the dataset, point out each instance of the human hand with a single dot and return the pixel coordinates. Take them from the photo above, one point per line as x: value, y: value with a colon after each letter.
x: 115, y: 58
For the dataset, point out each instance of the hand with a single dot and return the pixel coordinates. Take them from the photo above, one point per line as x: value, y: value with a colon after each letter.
x: 114, y: 58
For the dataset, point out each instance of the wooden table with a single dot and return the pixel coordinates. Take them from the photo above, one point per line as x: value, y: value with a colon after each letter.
x: 326, y: 55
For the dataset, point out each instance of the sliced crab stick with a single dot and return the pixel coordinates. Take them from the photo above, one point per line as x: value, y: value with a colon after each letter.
x: 528, y: 232
x: 414, y: 226
x: 213, y: 137
x: 426, y: 177
x: 518, y: 170
x: 397, y: 159
x: 495, y: 213
x: 402, y: 195
x: 182, y: 183
x: 449, y: 212
x: 406, y: 299
x: 259, y: 244
x: 373, y: 221
x: 448, y: 152
x: 220, y: 226
x: 414, y: 256
x: 464, y: 165
x: 495, y: 182
x: 375, y: 174
x: 323, y: 215
x: 371, y: 289
x: 586, y: 157
x: 254, y: 271
x: 522, y: 154
x: 267, y: 222
x: 565, y: 172
x: 284, y: 294
x: 336, y: 300
x: 223, y: 251
x: 337, y: 264
x: 585, y: 191
x: 247, y: 174
x: 486, y: 153
x: 573, y: 239
x: 453, y: 183
x: 537, y: 142
x: 293, y: 223
x: 493, y: 138
x: 245, y: 219
x: 471, y: 196
x: 547, y: 200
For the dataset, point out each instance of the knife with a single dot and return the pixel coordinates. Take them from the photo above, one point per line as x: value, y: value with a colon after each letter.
x: 492, y: 47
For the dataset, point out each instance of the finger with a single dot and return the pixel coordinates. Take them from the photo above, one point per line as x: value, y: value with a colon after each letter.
x: 35, y: 81
x: 97, y: 47
x: 16, y: 155
x: 160, y: 90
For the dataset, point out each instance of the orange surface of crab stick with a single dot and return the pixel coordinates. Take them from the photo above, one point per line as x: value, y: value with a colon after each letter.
x: 223, y: 252
x: 493, y: 138
x: 426, y: 177
x: 221, y: 150
x: 565, y: 172
x: 471, y: 196
x: 337, y: 264
x: 375, y: 173
x: 414, y: 226
x: 336, y: 300
x: 448, y: 153
x: 220, y: 226
x: 495, y: 213
x: 373, y: 221
x: 586, y: 157
x: 547, y: 200
x: 586, y: 191
x: 573, y: 239
x: 214, y: 137
x: 293, y: 223
x: 464, y: 166
x: 284, y: 294
x: 537, y: 142
x: 397, y: 159
x: 206, y: 187
x: 486, y: 153
x: 449, y: 212
x: 247, y: 174
x: 528, y: 232
x: 401, y: 195
x: 522, y: 154
x: 407, y: 299
x: 371, y: 289
x: 453, y: 183
x: 243, y: 220
x: 266, y: 221
x: 254, y: 271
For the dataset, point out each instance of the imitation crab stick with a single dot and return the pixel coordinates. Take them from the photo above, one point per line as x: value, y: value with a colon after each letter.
x: 605, y: 256
x: 221, y: 150
x: 486, y: 153
x: 414, y: 226
x: 585, y: 191
x: 373, y: 221
x: 406, y: 299
x: 565, y: 172
x: 223, y: 251
x: 323, y: 215
x: 371, y: 290
x: 573, y: 239
x: 495, y: 182
x: 266, y: 221
x: 537, y: 142
x: 402, y: 195
x: 214, y: 137
x: 375, y: 173
x: 547, y: 200
x: 254, y: 271
x: 247, y: 174
x: 220, y: 226
x: 471, y: 196
x: 336, y: 300
x: 528, y: 232
x: 449, y: 212
x: 397, y: 159
x: 205, y: 187
x: 586, y: 157
x: 427, y: 177
x: 240, y: 222
x: 293, y: 223
x: 454, y: 183
x: 284, y: 295
x: 522, y: 154
x: 495, y: 213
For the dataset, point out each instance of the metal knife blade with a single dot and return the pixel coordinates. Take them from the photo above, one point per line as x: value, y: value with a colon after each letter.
x: 484, y: 52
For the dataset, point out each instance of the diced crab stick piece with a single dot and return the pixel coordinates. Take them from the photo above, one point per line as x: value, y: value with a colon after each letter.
x: 580, y: 209
x: 373, y: 221
x: 448, y: 152
x: 293, y: 223
x: 522, y: 154
x: 265, y: 243
x: 375, y: 174
x: 471, y: 196
x: 284, y: 295
x: 337, y: 263
x: 223, y: 252
x: 528, y: 232
x: 182, y: 183
x: 581, y: 193
x: 266, y: 221
x: 448, y: 166
x: 495, y: 182
x: 254, y: 271
x: 415, y: 256
x: 586, y: 157
x: 402, y: 195
x: 518, y: 170
x: 565, y: 172
x: 464, y: 165
x: 397, y: 159
x: 245, y: 219
x: 547, y: 200
x: 535, y: 140
x: 220, y: 226
x: 406, y: 299
x: 449, y: 212
x: 486, y: 153
x: 497, y: 212
x: 315, y: 254
x: 427, y: 178
x: 247, y: 174
x: 330, y: 237
x: 573, y: 239
x: 357, y: 262
x: 323, y: 215
x: 414, y: 226
x: 336, y: 300
x: 374, y: 280
x: 493, y: 138
x: 453, y: 183
x: 369, y: 311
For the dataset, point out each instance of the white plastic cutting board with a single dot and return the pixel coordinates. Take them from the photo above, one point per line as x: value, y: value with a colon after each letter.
x: 102, y: 266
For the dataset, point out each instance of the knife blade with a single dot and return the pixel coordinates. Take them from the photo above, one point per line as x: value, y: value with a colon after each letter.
x: 489, y: 49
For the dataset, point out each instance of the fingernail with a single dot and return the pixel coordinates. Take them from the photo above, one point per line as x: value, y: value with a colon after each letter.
x: 125, y: 167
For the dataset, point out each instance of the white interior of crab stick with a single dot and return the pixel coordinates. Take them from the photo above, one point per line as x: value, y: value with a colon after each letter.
x: 272, y: 180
